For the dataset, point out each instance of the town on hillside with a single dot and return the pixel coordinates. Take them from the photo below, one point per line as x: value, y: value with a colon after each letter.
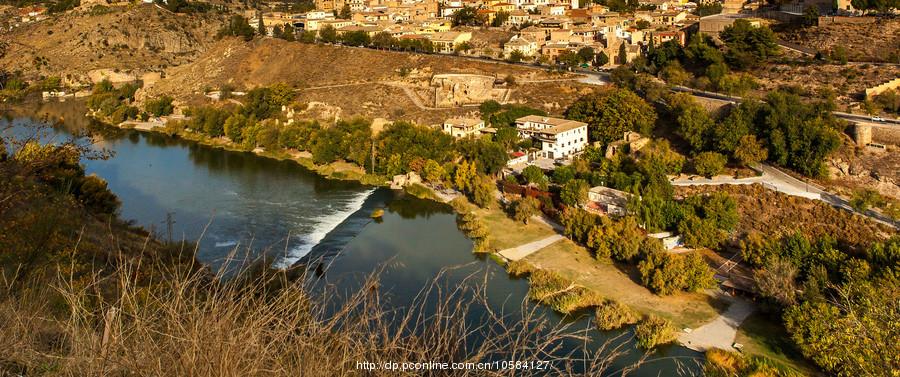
x: 450, y: 187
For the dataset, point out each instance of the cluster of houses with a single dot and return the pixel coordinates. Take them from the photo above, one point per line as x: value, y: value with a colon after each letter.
x: 546, y: 29
x: 22, y: 16
x: 559, y: 139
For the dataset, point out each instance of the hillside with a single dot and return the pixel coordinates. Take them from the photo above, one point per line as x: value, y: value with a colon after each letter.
x: 864, y: 42
x: 142, y: 37
x: 358, y: 81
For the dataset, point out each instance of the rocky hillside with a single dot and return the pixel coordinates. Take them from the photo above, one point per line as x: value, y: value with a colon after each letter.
x: 876, y: 42
x: 141, y: 37
x: 356, y: 81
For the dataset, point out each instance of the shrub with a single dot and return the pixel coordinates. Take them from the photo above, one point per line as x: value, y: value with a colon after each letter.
x: 525, y: 208
x: 653, y: 331
x: 666, y: 273
x: 160, y: 106
x: 519, y: 268
x: 483, y: 191
x: 612, y: 315
x: 561, y: 294
x: 709, y: 164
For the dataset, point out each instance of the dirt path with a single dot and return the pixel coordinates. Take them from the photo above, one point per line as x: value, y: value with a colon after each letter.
x: 720, y: 332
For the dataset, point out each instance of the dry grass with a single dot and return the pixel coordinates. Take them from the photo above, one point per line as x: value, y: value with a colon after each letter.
x: 499, y: 225
x: 613, y: 315
x: 564, y: 296
x: 576, y: 263
x: 193, y: 324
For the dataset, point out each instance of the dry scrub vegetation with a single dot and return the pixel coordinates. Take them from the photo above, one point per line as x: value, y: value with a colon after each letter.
x: 189, y: 324
x: 772, y: 213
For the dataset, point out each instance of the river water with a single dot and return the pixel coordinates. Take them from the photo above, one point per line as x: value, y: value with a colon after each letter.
x: 241, y: 206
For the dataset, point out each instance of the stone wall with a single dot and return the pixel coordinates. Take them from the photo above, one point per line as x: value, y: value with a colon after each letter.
x: 876, y: 90
x: 826, y: 20
x: 452, y: 90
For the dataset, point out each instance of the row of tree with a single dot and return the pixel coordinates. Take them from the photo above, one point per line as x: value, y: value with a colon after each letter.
x: 837, y: 304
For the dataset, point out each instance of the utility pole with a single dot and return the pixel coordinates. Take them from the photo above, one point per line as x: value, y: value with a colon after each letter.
x: 170, y: 222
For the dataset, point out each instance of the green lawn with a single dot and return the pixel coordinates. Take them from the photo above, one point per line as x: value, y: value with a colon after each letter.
x: 506, y: 233
x: 764, y: 336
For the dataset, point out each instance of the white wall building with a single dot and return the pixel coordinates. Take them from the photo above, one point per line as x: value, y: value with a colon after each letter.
x: 559, y: 138
x: 526, y: 47
x: 462, y: 127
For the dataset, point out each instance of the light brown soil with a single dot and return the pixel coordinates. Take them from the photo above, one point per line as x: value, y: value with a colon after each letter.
x: 848, y: 82
x: 139, y: 37
x: 877, y: 42
x: 359, y: 81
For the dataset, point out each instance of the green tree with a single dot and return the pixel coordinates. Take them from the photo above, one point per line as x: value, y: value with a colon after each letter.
x: 464, y: 176
x: 160, y: 106
x: 383, y: 40
x: 799, y: 135
x: 601, y: 59
x: 674, y: 74
x: 500, y: 19
x: 234, y: 126
x: 434, y: 172
x: 748, y: 45
x: 654, y: 331
x: 516, y: 56
x: 563, y: 174
x: 345, y: 12
x: 327, y: 34
x: 709, y: 164
x: 467, y: 16
x: 238, y: 26
x: 694, y: 122
x: 533, y: 175
x: 574, y: 193
x: 811, y: 15
x: 609, y: 113
x: 749, y: 151
x: 261, y: 26
x: 483, y: 191
x: 525, y: 208
x: 289, y: 34
x: 489, y: 107
x: 586, y: 54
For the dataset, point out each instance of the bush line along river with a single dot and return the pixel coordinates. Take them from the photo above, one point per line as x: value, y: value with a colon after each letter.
x: 240, y: 201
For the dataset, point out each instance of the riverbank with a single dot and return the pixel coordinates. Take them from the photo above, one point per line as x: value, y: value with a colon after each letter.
x: 562, y: 257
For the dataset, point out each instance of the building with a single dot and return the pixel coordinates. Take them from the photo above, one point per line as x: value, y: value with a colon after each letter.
x: 713, y: 25
x: 606, y: 201
x: 559, y: 138
x: 446, y: 42
x: 669, y: 240
x: 462, y: 127
x: 526, y: 47
x: 633, y: 140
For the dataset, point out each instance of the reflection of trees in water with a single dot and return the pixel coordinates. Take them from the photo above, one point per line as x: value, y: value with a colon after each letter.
x: 410, y: 207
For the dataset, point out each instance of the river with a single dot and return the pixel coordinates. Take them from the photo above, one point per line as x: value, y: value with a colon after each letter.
x: 241, y: 206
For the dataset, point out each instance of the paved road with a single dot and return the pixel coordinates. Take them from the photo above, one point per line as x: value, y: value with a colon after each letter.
x: 721, y: 331
x: 856, y: 118
x: 525, y: 250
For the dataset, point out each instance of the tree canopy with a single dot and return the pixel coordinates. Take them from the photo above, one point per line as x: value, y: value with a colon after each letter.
x: 609, y: 113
